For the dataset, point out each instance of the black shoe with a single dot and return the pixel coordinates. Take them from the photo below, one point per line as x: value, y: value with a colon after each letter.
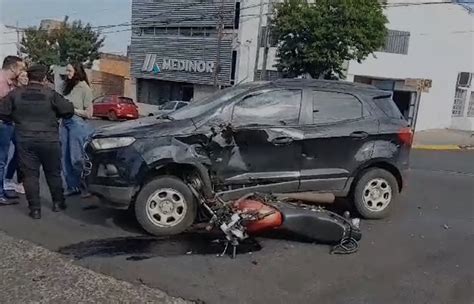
x: 59, y: 206
x: 35, y: 214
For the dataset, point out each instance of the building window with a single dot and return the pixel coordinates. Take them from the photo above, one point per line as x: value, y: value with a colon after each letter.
x: 459, y: 101
x: 272, y: 41
x: 185, y: 31
x: 271, y: 75
x: 397, y: 42
x: 470, y: 110
x: 463, y: 87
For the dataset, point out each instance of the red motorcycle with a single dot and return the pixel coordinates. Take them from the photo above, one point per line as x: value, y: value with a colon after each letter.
x: 255, y: 214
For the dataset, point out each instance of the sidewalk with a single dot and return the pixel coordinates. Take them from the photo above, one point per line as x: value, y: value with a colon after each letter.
x: 31, y: 274
x: 444, y: 139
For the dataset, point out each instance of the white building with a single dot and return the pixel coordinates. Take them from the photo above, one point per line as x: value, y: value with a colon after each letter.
x: 432, y: 41
x: 9, y: 37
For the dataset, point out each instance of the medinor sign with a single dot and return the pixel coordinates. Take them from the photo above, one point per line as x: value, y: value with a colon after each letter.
x: 151, y: 64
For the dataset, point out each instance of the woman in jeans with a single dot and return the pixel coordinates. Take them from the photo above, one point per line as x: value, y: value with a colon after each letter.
x: 75, y: 131
x: 12, y: 167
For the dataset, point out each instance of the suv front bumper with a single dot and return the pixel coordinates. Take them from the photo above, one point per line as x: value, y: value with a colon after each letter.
x: 114, y: 175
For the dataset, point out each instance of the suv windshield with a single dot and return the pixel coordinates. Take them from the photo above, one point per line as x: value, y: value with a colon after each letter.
x: 200, y: 107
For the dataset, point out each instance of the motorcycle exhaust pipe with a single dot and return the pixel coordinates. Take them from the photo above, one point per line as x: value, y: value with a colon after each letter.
x: 309, y: 197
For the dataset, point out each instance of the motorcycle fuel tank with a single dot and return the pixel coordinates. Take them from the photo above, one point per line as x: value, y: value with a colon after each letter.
x: 269, y: 218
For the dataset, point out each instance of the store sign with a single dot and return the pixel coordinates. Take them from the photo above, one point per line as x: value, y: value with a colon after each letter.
x: 150, y: 64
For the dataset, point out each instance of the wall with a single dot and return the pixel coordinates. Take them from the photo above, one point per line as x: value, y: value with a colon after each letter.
x: 8, y: 40
x: 202, y: 91
x: 192, y: 13
x: 120, y: 66
x: 441, y: 45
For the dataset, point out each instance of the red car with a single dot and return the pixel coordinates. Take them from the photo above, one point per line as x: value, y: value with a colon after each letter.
x: 115, y: 107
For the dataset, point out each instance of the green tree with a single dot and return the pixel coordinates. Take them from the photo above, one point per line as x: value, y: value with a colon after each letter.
x: 317, y: 38
x: 71, y: 42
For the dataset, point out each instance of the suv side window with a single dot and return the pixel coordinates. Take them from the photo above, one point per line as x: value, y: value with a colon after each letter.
x: 270, y: 107
x: 332, y: 107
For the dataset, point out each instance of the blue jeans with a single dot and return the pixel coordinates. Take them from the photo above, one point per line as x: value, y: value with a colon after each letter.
x: 74, y: 133
x: 12, y: 166
x: 6, y: 135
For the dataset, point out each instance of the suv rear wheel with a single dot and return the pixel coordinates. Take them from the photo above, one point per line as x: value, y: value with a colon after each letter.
x: 165, y: 206
x: 375, y: 192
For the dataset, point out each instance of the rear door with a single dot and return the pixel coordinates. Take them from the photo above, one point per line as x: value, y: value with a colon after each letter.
x: 265, y: 142
x: 98, y: 106
x: 336, y: 141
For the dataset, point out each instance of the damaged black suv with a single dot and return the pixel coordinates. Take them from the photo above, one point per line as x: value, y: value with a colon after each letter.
x: 285, y: 136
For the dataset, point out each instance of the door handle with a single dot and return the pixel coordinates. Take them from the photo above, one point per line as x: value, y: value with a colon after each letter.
x: 281, y: 141
x: 359, y: 134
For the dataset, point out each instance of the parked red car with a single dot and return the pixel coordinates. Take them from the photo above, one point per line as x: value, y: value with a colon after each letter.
x: 115, y: 107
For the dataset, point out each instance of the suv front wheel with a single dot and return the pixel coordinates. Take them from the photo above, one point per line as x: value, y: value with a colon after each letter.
x: 165, y: 206
x: 375, y: 192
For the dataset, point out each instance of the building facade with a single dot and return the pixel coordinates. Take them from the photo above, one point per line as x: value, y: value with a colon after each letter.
x: 10, y: 36
x: 181, y: 50
x: 430, y: 43
x: 174, y: 54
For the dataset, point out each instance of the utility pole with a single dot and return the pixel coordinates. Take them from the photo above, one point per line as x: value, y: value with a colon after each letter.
x: 257, y: 56
x: 266, y: 40
x: 220, y: 34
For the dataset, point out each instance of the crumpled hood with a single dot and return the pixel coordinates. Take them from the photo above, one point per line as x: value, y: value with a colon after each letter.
x: 146, y: 127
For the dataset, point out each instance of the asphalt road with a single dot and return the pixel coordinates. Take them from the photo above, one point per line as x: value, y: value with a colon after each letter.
x: 421, y: 254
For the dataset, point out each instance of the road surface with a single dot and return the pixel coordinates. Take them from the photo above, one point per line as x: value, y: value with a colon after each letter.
x: 421, y: 254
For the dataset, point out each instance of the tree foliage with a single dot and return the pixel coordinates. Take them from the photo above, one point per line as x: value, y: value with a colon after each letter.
x: 71, y: 42
x: 317, y: 38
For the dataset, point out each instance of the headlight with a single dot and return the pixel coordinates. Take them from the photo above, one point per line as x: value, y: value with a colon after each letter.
x: 112, y: 143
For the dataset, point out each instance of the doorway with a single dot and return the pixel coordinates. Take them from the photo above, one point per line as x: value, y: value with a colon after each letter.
x: 403, y: 99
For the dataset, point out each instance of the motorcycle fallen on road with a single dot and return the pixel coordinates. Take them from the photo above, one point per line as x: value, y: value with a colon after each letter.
x: 255, y: 214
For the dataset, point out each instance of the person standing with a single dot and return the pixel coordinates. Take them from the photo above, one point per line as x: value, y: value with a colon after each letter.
x: 35, y: 110
x: 12, y: 167
x: 75, y: 131
x: 11, y: 69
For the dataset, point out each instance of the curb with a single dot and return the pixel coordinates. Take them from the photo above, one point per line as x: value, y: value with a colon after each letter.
x: 444, y: 147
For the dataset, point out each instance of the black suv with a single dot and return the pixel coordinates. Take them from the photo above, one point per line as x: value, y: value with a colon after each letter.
x: 281, y: 137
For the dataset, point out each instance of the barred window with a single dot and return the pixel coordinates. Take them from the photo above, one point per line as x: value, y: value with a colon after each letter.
x: 459, y: 102
x: 396, y: 42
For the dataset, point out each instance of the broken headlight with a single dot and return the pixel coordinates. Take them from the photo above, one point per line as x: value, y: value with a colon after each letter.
x: 112, y: 143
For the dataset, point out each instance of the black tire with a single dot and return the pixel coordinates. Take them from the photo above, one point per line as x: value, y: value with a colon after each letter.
x: 150, y: 189
x: 362, y: 199
x: 112, y: 116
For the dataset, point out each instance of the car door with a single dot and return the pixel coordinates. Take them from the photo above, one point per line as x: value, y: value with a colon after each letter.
x: 264, y: 142
x: 97, y: 104
x: 108, y: 104
x: 336, y: 141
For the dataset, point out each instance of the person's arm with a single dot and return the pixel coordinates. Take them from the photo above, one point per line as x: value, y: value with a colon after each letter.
x: 6, y: 107
x: 63, y: 107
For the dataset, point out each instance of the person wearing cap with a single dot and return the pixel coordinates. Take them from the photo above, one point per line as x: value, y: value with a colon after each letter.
x: 35, y: 109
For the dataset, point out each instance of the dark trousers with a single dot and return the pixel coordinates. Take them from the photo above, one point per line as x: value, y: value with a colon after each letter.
x: 32, y: 155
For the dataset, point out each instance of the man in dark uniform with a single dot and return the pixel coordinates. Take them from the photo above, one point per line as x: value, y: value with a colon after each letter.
x: 35, y: 110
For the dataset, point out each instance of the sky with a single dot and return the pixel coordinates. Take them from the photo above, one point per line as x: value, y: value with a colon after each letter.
x: 96, y: 12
